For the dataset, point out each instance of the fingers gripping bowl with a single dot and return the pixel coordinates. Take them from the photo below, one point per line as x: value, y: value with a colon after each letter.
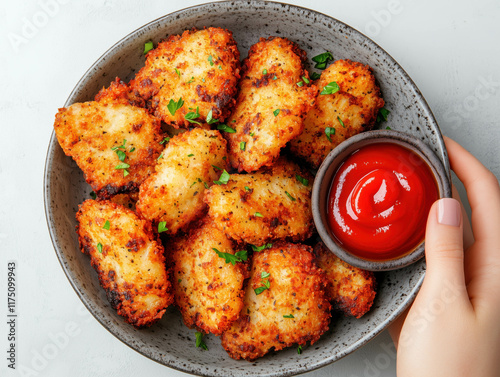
x: 169, y: 342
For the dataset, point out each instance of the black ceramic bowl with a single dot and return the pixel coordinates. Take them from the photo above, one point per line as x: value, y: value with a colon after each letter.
x: 329, y: 167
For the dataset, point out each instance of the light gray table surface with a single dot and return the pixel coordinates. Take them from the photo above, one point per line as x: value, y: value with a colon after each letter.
x: 450, y: 48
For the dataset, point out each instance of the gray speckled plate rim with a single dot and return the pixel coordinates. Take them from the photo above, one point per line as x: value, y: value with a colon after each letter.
x: 321, y: 363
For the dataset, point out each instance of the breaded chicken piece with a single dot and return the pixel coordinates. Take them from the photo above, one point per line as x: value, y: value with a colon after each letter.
x: 271, y: 107
x: 119, y: 92
x: 116, y: 145
x: 126, y: 200
x: 208, y: 291
x: 200, y: 68
x: 128, y: 259
x: 285, y: 303
x: 349, y: 111
x: 350, y: 289
x: 190, y: 163
x: 267, y: 205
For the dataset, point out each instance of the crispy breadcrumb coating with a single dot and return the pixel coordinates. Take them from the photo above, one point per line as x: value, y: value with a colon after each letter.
x: 189, y: 164
x: 201, y: 67
x: 356, y: 104
x: 208, y: 291
x: 271, y: 107
x: 294, y: 308
x: 264, y: 206
x: 128, y: 259
x: 119, y: 92
x: 351, y: 289
x: 96, y: 134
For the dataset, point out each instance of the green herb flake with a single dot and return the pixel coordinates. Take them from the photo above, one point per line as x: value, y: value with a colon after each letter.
x: 179, y: 280
x: 264, y: 274
x: 288, y: 316
x: 174, y: 106
x: 243, y: 145
x: 264, y: 72
x: 203, y: 79
x: 190, y: 81
x: 160, y: 156
x: 125, y: 172
x: 239, y: 256
x: 106, y: 225
x: 340, y: 121
x: 263, y: 247
x: 148, y: 46
x: 388, y: 128
x: 210, y: 60
x: 247, y: 188
x: 276, y: 112
x: 259, y: 290
x: 93, y: 195
x: 178, y: 73
x: 331, y: 88
x: 165, y: 140
x: 299, y: 350
x: 190, y: 155
x: 300, y: 83
x: 226, y: 128
x: 191, y: 116
x: 121, y: 146
x: 206, y: 185
x: 123, y: 165
x: 322, y: 60
x: 304, y: 181
x: 199, y: 341
x: 329, y: 131
x: 275, y: 77
x: 99, y: 247
x: 132, y: 149
x: 290, y: 196
x: 223, y: 179
x: 121, y: 155
x: 210, y: 119
x: 306, y: 80
x: 220, y: 67
x: 382, y: 115
x: 192, y: 184
x: 162, y: 226
x: 315, y: 76
x: 258, y: 214
x: 216, y: 167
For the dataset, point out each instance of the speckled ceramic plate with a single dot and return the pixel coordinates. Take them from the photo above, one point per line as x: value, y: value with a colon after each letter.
x: 169, y: 342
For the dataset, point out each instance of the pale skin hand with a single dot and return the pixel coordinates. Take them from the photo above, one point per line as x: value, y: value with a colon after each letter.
x: 453, y: 327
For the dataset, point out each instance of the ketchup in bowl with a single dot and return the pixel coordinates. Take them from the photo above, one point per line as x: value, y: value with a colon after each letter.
x: 379, y: 200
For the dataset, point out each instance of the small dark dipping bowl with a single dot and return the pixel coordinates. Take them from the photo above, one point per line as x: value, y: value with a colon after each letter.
x: 326, y: 173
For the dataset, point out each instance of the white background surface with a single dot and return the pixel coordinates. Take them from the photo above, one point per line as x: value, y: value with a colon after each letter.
x: 449, y: 48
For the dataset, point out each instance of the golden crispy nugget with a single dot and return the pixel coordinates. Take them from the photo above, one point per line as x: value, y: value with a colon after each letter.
x: 116, y: 145
x: 208, y: 291
x: 119, y: 92
x: 293, y: 309
x: 264, y: 206
x: 190, y: 163
x: 270, y: 108
x: 128, y: 259
x: 126, y: 200
x: 356, y: 105
x: 351, y: 289
x: 200, y: 67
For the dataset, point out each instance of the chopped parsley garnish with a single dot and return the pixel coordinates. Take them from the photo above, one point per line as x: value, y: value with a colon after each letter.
x: 123, y: 165
x: 190, y: 81
x: 288, y: 316
x: 382, y: 115
x: 174, y: 106
x: 300, y: 83
x: 322, y: 59
x: 260, y: 248
x: 121, y: 146
x: 192, y: 184
x: 329, y: 131
x: 258, y: 214
x: 162, y: 226
x: 220, y: 67
x: 388, y: 128
x: 179, y: 280
x: 210, y: 119
x: 290, y: 196
x: 276, y: 112
x: 264, y: 274
x: 106, y: 225
x: 299, y: 350
x: 121, y: 155
x: 166, y: 140
x: 99, y: 247
x: 210, y: 60
x: 193, y: 115
x: 132, y: 149
x: 199, y: 341
x: 264, y: 72
x: 93, y: 195
x: 125, y: 173
x: 304, y: 181
x: 178, y: 73
x: 315, y: 76
x: 265, y: 283
x: 216, y: 167
x: 190, y: 155
x: 243, y: 145
x: 148, y: 46
x: 340, y: 121
x: 226, y: 128
x: 275, y: 77
x: 239, y: 256
x: 306, y: 80
x: 160, y: 156
x: 331, y: 88
x: 247, y: 188
x: 223, y: 179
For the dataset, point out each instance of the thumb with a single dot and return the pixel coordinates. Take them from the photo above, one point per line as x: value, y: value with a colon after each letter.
x: 444, y: 251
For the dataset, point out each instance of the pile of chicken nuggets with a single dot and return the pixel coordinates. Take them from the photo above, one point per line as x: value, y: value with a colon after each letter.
x: 201, y: 168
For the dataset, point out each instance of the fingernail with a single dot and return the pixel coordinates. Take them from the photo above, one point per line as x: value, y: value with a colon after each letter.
x: 449, y: 212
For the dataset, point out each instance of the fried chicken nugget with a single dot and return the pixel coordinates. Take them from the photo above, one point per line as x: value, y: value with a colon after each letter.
x: 199, y: 68
x: 190, y: 163
x: 264, y: 206
x: 285, y: 303
x: 349, y: 111
x: 116, y: 145
x: 351, y: 289
x: 271, y: 107
x: 208, y: 291
x: 128, y: 259
x: 119, y: 92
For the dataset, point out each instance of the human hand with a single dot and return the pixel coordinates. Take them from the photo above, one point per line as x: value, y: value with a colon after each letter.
x: 453, y: 326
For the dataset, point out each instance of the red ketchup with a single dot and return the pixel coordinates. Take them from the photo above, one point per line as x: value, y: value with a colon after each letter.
x: 379, y: 201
